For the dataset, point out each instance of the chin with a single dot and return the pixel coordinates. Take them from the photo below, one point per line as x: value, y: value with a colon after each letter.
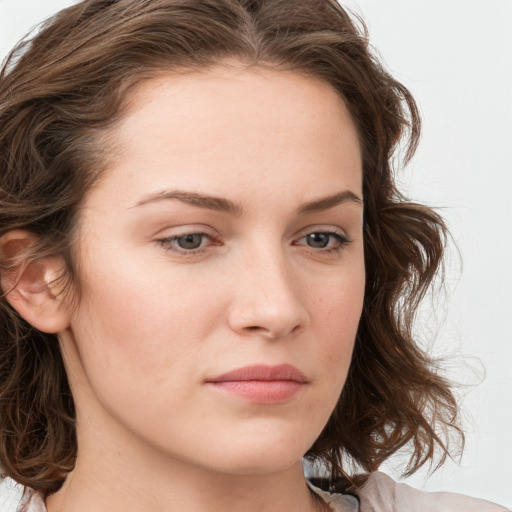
x: 263, y: 454
x: 264, y: 464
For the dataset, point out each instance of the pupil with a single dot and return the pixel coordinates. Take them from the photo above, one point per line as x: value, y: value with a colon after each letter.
x: 318, y: 240
x: 192, y: 241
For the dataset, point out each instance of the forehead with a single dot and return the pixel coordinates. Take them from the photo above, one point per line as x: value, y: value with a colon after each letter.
x: 232, y: 126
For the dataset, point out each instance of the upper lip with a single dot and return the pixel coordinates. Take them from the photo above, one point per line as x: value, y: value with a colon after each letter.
x: 262, y: 372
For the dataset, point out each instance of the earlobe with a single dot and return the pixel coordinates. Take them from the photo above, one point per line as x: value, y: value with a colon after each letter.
x: 32, y: 287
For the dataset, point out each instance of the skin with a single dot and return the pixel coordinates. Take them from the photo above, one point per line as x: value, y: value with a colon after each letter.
x: 155, y: 322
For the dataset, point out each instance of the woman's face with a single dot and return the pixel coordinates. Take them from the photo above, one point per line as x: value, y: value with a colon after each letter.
x: 221, y: 270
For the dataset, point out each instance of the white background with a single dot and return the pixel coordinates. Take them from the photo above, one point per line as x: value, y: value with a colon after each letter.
x: 456, y: 58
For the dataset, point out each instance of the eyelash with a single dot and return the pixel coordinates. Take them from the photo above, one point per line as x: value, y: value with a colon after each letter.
x: 342, y: 241
x: 168, y: 243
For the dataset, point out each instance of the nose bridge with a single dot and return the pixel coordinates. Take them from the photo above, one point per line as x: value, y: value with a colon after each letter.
x: 272, y: 273
x: 267, y: 300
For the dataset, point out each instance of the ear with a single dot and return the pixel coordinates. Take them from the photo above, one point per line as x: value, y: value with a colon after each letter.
x: 32, y: 287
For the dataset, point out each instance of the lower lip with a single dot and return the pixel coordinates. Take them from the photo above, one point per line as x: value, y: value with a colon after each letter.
x: 261, y: 392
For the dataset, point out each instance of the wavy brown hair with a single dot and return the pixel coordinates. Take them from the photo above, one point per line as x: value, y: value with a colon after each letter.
x: 64, y: 89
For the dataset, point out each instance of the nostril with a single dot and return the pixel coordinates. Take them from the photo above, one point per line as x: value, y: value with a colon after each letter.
x: 273, y: 321
x: 296, y: 329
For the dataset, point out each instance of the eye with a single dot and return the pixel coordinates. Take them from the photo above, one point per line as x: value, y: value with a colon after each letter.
x: 187, y: 242
x: 325, y: 241
x: 190, y: 241
x: 318, y: 240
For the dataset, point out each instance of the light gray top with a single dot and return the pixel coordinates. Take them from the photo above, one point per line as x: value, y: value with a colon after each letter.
x: 379, y: 494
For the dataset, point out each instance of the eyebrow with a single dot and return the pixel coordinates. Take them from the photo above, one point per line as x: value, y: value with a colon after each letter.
x: 200, y: 200
x: 226, y: 205
x: 324, y: 203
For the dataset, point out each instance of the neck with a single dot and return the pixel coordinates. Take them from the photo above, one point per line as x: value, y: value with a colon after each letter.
x: 182, y: 490
x: 120, y: 476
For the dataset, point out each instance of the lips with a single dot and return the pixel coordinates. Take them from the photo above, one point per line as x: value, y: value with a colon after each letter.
x: 261, y: 384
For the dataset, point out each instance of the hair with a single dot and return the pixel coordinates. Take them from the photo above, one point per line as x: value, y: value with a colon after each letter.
x: 64, y: 89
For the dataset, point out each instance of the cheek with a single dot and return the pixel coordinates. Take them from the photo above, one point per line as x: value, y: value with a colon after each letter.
x: 140, y: 325
x: 336, y: 314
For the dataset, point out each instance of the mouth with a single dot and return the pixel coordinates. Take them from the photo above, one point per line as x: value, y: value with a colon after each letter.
x: 261, y: 384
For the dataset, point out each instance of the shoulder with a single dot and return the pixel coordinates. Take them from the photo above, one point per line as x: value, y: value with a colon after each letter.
x: 15, y: 498
x: 337, y: 502
x: 382, y: 494
x: 11, y: 495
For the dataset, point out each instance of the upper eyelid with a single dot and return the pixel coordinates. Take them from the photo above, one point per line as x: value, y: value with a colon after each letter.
x: 323, y: 229
x: 341, y: 239
x: 168, y: 246
x: 184, y: 233
x: 345, y: 239
x: 302, y: 233
x: 181, y: 230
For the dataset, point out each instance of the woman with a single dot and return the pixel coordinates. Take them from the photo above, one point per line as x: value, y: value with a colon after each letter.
x: 207, y: 270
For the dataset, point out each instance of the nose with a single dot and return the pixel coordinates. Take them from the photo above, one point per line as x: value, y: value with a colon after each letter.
x: 267, y: 300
